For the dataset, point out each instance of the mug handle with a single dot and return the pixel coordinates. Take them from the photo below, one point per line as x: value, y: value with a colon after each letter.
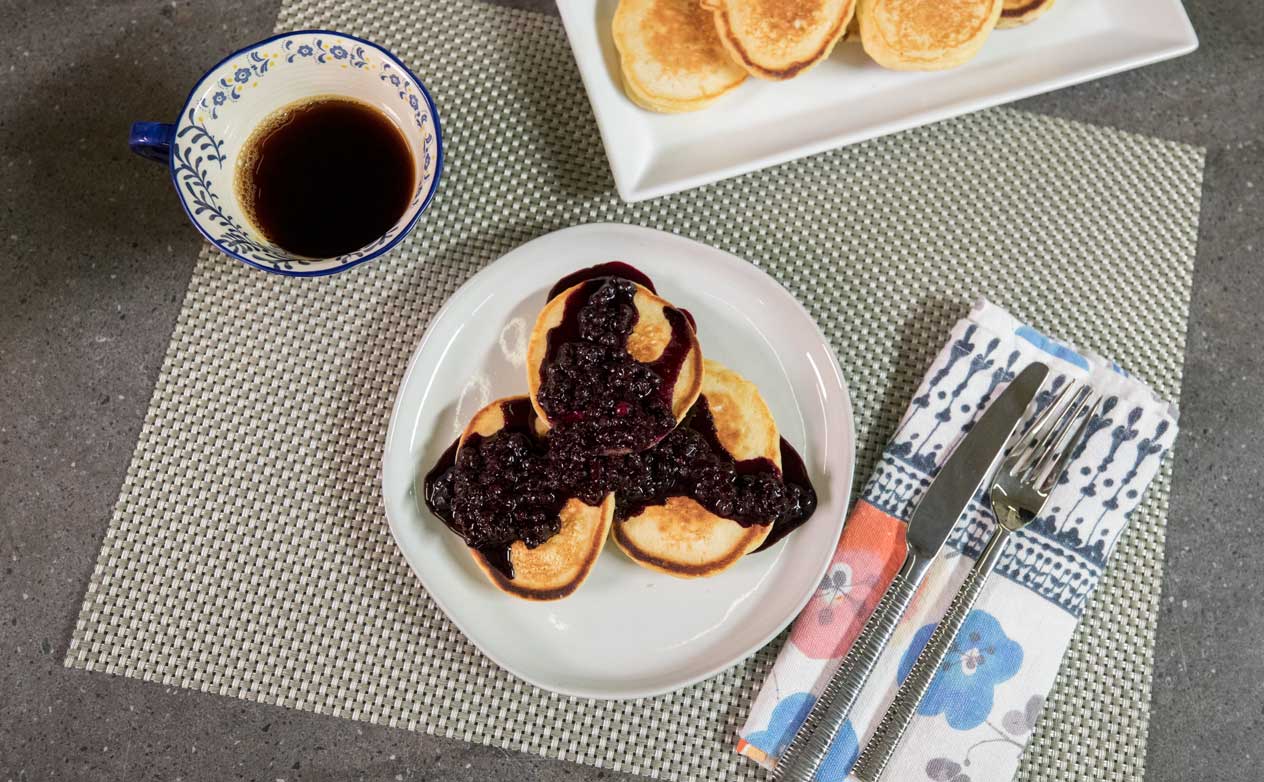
x: 152, y: 140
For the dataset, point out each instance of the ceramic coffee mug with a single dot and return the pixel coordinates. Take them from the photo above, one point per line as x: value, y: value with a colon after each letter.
x: 235, y: 96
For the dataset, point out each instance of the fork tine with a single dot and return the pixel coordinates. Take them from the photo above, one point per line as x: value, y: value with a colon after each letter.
x: 1038, y: 433
x: 1067, y: 446
x: 1057, y: 432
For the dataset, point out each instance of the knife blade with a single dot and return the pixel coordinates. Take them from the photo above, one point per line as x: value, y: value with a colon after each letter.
x: 969, y: 465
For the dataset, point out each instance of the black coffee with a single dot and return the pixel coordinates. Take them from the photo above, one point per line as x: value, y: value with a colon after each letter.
x: 325, y: 176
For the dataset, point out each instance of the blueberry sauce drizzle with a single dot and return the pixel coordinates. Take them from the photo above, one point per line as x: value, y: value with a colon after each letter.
x: 589, y: 380
x: 795, y: 475
x: 691, y: 462
x: 513, y: 484
x: 492, y: 491
x: 608, y: 269
x: 613, y: 269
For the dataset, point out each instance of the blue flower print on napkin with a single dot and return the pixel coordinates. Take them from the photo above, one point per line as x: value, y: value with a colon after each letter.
x: 788, y: 715
x: 841, y: 757
x: 981, y: 658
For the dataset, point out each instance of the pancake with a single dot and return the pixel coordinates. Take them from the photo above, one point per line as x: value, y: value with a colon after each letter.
x: 925, y: 34
x: 587, y: 394
x: 671, y: 57
x: 681, y: 537
x: 852, y: 34
x: 1016, y: 13
x: 780, y: 39
x: 558, y: 566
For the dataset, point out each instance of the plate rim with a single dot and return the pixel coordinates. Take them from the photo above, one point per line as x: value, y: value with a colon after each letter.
x: 394, y: 432
x: 630, y: 184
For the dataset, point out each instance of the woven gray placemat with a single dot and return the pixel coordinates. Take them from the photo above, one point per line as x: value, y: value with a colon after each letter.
x: 249, y: 554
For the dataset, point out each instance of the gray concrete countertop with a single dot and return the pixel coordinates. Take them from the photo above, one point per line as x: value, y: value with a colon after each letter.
x: 95, y: 255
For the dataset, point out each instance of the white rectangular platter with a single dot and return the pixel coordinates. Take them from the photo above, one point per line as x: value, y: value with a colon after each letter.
x: 849, y: 98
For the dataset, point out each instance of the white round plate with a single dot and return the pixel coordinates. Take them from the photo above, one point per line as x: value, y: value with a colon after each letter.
x: 627, y: 632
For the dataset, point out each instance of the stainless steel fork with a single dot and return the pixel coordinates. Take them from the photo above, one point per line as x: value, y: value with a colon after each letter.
x: 1018, y: 494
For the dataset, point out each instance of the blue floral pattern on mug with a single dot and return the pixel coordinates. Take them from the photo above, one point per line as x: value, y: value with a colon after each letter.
x: 406, y: 93
x: 981, y: 657
x: 230, y: 87
x: 321, y: 53
x: 191, y: 159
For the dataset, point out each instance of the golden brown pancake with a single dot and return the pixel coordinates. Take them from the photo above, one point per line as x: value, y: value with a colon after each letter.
x: 555, y: 568
x: 671, y: 57
x: 780, y: 39
x: 925, y: 34
x: 681, y: 537
x: 646, y: 343
x: 1019, y: 12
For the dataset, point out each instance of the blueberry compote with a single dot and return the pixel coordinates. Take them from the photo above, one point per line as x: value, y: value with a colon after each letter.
x: 499, y: 489
x: 512, y: 485
x: 795, y: 475
x: 590, y: 382
x: 691, y: 462
x: 608, y: 269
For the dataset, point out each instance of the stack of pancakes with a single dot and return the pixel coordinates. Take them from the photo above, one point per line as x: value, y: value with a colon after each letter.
x: 679, y: 537
x: 682, y: 55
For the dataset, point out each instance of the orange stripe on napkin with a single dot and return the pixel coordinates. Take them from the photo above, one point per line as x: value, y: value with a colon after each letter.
x: 751, y: 751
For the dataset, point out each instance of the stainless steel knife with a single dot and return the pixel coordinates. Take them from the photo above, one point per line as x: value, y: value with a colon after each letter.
x: 970, y: 464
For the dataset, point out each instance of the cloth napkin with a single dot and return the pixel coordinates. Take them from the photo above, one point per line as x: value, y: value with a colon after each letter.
x: 984, y: 701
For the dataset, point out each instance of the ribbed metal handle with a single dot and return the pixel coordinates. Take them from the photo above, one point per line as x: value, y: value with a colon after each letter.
x: 812, y: 743
x: 886, y: 739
